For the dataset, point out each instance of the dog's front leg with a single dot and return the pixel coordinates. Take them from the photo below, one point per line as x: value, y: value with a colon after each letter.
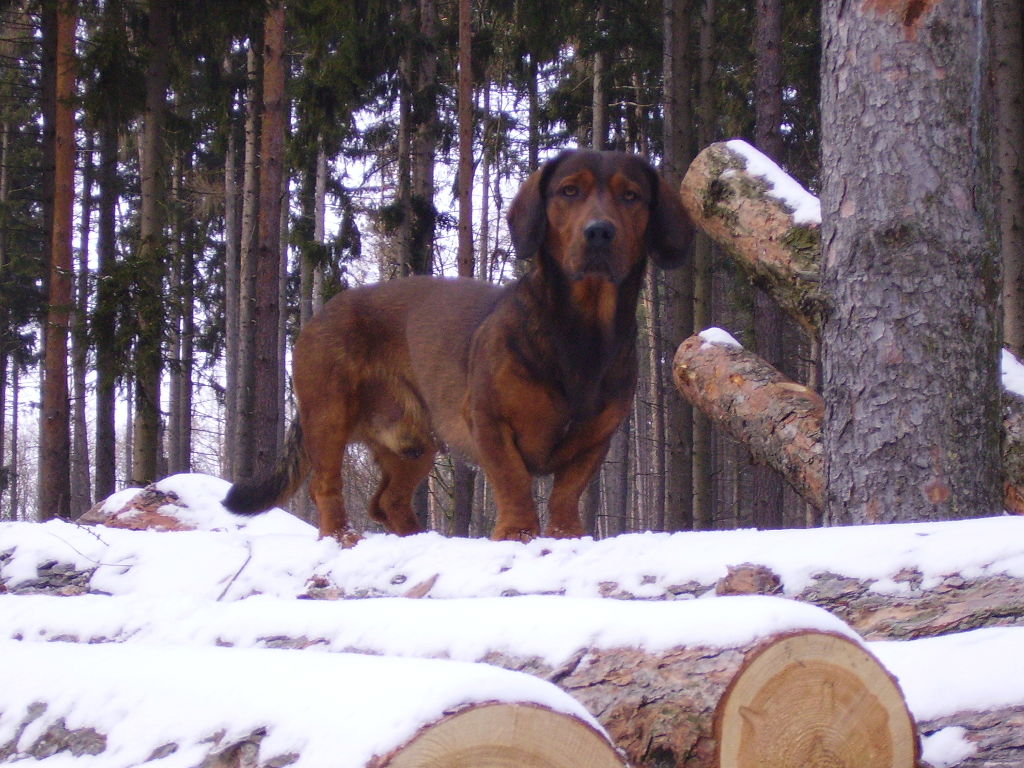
x: 569, y: 483
x: 511, y: 480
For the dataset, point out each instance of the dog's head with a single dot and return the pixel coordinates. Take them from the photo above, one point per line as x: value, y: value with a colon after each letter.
x: 599, y: 213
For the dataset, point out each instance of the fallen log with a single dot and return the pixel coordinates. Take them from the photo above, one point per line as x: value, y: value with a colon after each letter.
x: 764, y: 220
x: 124, y: 706
x: 735, y: 681
x: 776, y: 418
x: 780, y: 420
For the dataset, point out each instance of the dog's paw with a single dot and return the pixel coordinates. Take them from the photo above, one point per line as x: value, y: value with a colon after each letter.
x: 510, y: 533
x: 346, y: 537
x: 564, y: 532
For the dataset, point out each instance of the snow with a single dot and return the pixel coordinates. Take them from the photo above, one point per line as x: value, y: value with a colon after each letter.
x: 551, y: 629
x: 946, y: 748
x: 1013, y: 373
x: 718, y: 336
x: 141, y: 696
x: 982, y: 662
x: 172, y: 598
x: 233, y: 564
x: 805, y: 206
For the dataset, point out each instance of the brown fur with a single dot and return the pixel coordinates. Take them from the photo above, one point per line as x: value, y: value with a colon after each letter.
x: 524, y: 380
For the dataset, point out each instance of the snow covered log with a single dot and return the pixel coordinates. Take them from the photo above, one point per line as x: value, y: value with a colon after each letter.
x: 115, y: 706
x: 702, y: 682
x: 967, y: 692
x: 764, y: 219
x: 777, y: 419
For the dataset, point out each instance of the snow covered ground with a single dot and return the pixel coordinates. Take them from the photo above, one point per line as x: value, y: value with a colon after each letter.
x: 175, y: 596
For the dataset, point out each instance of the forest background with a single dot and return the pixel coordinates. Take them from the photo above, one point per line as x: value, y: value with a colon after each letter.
x: 236, y: 164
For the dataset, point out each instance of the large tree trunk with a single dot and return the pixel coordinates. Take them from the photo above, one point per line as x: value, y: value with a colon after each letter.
x: 152, y: 251
x: 266, y: 397
x: 1008, y: 73
x: 54, y: 416
x: 910, y: 348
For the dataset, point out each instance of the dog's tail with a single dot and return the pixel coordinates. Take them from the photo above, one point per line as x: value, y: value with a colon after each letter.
x: 258, y: 494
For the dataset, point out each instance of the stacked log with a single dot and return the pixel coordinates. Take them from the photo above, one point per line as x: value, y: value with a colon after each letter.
x: 743, y: 681
x: 261, y: 709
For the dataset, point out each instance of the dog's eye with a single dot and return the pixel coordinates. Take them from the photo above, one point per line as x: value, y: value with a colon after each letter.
x: 630, y: 195
x: 570, y: 190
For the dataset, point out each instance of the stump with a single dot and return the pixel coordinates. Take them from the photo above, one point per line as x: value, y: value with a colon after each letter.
x: 506, y: 736
x: 814, y: 700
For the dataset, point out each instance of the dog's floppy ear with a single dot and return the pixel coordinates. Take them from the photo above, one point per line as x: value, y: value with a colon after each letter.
x: 528, y: 214
x: 670, y: 230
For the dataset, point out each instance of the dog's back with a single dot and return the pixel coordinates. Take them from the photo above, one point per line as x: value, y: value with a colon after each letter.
x: 394, y: 358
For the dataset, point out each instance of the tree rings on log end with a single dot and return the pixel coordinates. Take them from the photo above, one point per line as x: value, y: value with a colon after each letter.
x: 814, y: 700
x: 507, y: 736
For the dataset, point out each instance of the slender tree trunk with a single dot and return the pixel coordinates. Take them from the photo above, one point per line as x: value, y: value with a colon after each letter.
x: 244, y: 448
x: 1008, y: 70
x: 424, y: 145
x: 599, y: 102
x: 266, y: 396
x: 533, y: 109
x: 767, y: 500
x: 232, y: 284
x: 703, y: 515
x: 678, y: 310
x: 175, y: 311
x: 152, y: 251
x: 910, y: 348
x: 5, y: 189
x: 80, y: 487
x: 463, y: 475
x: 657, y: 377
x: 103, y: 319
x: 54, y: 435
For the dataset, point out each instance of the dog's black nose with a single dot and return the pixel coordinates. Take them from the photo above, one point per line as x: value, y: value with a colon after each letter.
x: 599, y: 233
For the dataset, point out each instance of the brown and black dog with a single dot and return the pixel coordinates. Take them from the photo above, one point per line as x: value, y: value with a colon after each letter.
x: 526, y: 379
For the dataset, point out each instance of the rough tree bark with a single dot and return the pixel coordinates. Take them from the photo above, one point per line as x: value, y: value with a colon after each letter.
x: 677, y: 314
x: 777, y: 419
x: 54, y: 414
x: 767, y: 498
x: 910, y: 346
x: 1008, y: 73
x: 463, y: 474
x: 741, y: 213
x: 152, y: 250
x: 266, y: 400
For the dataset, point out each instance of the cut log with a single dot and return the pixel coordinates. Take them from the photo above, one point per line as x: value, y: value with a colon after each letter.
x: 747, y: 216
x: 505, y: 736
x: 127, y: 705
x: 776, y: 418
x: 814, y: 700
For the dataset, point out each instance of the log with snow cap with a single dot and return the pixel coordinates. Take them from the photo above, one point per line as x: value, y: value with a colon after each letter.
x: 739, y: 681
x: 125, y: 705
